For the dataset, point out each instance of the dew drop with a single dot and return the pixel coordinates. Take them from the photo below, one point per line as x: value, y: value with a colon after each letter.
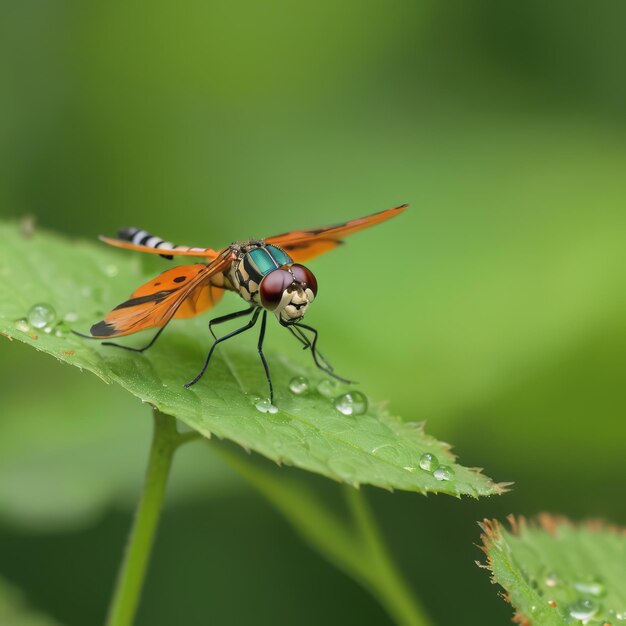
x: 429, y: 462
x: 443, y: 472
x: 299, y: 385
x: 41, y: 315
x: 22, y: 325
x: 551, y: 580
x: 351, y: 403
x: 621, y: 617
x: 60, y: 329
x: 70, y: 317
x: 583, y: 610
x: 328, y: 388
x: 47, y: 330
x: 111, y: 270
x: 590, y: 588
x: 265, y: 406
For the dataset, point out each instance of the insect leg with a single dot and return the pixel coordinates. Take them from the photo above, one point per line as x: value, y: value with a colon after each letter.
x: 249, y: 325
x: 298, y: 333
x: 260, y: 350
x: 131, y: 349
x: 315, y: 354
x: 119, y: 345
x: 304, y: 341
x: 226, y: 318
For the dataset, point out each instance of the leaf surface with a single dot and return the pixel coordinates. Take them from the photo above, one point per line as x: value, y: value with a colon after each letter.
x: 555, y: 572
x: 81, y: 281
x: 77, y: 446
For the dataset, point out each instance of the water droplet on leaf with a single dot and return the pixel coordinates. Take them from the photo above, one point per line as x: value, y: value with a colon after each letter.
x: 22, y: 325
x: 299, y: 385
x: 60, y: 329
x: 443, y: 472
x: 41, y: 315
x: 328, y: 388
x: 265, y: 406
x: 551, y: 580
x: 429, y: 462
x: 583, y: 610
x: 590, y: 588
x: 351, y: 403
x: 71, y: 317
x: 111, y: 270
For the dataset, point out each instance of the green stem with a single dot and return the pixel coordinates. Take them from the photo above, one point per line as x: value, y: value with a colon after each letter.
x: 383, y: 579
x: 355, y: 547
x: 133, y: 568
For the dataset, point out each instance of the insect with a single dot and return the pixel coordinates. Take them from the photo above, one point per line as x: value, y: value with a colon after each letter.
x: 266, y: 273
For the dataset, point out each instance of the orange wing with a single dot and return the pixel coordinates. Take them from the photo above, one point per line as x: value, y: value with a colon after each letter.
x: 302, y: 245
x: 143, y: 241
x: 182, y: 291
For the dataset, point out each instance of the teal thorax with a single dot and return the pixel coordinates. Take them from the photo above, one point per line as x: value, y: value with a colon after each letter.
x: 259, y: 262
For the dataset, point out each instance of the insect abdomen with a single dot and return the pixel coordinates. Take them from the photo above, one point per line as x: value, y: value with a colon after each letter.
x: 144, y: 238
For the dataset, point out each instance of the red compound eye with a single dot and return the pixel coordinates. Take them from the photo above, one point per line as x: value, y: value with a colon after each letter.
x: 304, y: 275
x: 273, y: 286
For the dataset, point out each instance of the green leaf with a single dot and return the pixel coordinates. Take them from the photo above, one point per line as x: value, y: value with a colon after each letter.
x: 83, y: 280
x: 62, y: 463
x: 555, y: 572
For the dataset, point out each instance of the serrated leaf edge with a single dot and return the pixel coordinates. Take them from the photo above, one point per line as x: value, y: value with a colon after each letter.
x: 492, y: 533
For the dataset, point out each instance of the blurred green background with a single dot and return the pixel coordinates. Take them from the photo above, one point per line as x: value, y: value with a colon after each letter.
x: 494, y: 308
